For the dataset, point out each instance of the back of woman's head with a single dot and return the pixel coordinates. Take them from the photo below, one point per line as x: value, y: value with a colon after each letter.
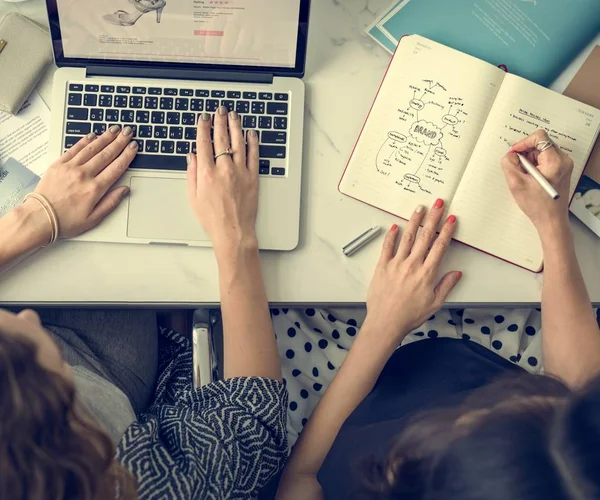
x: 526, y: 438
x: 49, y: 447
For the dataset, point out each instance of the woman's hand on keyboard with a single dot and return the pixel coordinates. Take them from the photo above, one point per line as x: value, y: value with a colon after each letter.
x: 223, y: 192
x: 405, y: 290
x: 78, y: 184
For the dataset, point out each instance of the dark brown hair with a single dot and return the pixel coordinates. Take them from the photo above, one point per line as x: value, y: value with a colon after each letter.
x: 49, y: 447
x: 520, y: 438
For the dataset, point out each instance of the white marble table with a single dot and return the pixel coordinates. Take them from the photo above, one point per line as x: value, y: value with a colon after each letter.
x: 343, y: 71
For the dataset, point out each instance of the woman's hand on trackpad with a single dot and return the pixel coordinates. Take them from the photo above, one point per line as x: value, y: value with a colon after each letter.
x: 223, y: 181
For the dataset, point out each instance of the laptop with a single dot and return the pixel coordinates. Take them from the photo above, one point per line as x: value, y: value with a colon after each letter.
x: 154, y: 65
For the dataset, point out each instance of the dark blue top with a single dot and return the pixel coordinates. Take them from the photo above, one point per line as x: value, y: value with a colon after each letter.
x: 423, y: 375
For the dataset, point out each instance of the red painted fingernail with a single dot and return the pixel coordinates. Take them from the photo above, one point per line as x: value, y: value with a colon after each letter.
x: 439, y: 203
x: 459, y: 275
x: 395, y: 227
x: 451, y: 219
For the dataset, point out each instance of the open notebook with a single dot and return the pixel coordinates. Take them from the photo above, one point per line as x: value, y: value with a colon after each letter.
x: 438, y: 129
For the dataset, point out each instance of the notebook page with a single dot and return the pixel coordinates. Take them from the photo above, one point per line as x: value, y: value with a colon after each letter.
x: 489, y: 218
x: 422, y: 128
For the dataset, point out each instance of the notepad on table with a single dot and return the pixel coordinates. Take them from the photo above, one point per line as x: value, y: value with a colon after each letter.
x: 438, y: 128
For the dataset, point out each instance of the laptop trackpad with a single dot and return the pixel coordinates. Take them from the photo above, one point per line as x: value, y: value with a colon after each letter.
x: 159, y: 211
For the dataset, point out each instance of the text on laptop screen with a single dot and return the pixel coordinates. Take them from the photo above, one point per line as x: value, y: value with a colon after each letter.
x: 233, y: 32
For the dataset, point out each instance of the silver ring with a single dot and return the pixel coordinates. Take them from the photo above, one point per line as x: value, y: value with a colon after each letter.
x: 542, y: 146
x: 227, y: 152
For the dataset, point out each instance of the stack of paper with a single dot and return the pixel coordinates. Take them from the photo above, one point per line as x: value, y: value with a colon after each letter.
x: 377, y: 30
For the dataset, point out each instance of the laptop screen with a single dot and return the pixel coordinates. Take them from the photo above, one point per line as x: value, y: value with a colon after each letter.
x: 249, y: 33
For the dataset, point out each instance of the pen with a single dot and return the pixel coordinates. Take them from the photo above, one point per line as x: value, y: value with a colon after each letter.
x: 532, y: 170
x: 360, y: 241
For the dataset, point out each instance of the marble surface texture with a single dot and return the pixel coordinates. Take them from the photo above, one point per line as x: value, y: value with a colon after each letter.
x: 343, y: 72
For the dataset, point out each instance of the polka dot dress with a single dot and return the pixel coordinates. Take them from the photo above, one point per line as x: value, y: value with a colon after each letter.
x: 313, y: 343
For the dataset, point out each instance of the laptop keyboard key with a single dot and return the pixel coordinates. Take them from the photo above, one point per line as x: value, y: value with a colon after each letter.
x: 249, y: 122
x: 140, y: 144
x: 173, y: 118
x: 217, y: 93
x: 190, y: 133
x: 76, y: 87
x: 188, y: 119
x: 234, y: 94
x: 154, y: 91
x: 123, y: 89
x: 90, y: 100
x: 142, y: 116
x: 242, y: 107
x: 230, y: 105
x: 127, y: 116
x: 167, y: 147
x: 182, y: 104
x: 97, y: 115
x: 105, y: 101
x: 258, y: 108
x: 277, y: 108
x: 70, y: 141
x: 166, y: 103
x: 265, y: 122
x: 99, y: 128
x: 136, y: 102
x: 75, y: 99
x: 77, y: 114
x: 274, y: 137
x: 151, y: 103
x: 158, y: 117
x: 186, y: 92
x: 170, y: 92
x: 202, y: 93
x: 277, y: 171
x: 152, y: 146
x: 182, y: 148
x: 281, y: 97
x: 161, y: 132
x: 121, y: 101
x: 76, y: 128
x: 265, y: 96
x: 271, y: 151
x: 197, y: 105
x: 92, y: 88
x: 111, y: 115
x: 264, y: 167
x: 280, y: 122
x: 176, y: 133
x: 212, y: 105
x: 145, y: 131
x: 139, y: 90
x: 249, y: 95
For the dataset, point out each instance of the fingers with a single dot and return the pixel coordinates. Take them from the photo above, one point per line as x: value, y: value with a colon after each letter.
x: 113, y: 172
x: 515, y: 176
x: 389, y: 245
x: 427, y: 234
x: 410, y: 233
x: 445, y: 286
x: 441, y: 245
x: 94, y: 148
x: 192, y: 176
x: 78, y: 147
x: 111, y: 147
x: 221, y: 134
x: 253, y: 161
x: 205, y: 154
x: 107, y: 204
x: 237, y: 140
x: 530, y: 143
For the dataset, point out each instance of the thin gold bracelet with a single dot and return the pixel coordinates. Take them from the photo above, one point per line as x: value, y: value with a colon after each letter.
x: 50, y: 213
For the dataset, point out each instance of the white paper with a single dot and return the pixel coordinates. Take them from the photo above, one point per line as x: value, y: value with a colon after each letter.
x: 24, y: 137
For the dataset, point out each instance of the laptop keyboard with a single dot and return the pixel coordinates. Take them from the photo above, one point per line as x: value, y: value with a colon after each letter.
x: 164, y: 120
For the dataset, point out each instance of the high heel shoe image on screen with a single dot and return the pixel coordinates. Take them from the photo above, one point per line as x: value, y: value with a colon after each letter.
x: 123, y: 18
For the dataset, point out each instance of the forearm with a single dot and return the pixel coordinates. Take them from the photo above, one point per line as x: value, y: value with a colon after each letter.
x: 249, y: 341
x: 571, y: 339
x: 23, y: 230
x: 352, y: 384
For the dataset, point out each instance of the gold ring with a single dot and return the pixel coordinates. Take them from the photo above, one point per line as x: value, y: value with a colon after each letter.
x: 542, y: 146
x: 227, y: 152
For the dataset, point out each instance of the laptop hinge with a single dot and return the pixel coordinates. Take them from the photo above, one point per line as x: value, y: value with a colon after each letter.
x: 180, y: 74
